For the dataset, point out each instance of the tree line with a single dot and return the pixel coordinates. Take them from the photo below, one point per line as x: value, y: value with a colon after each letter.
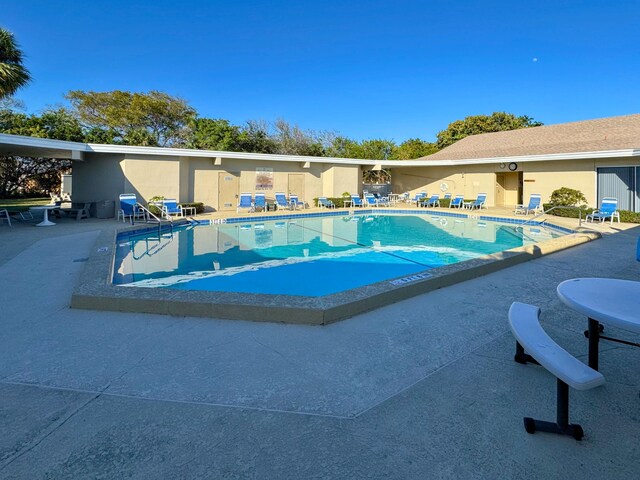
x: 157, y: 118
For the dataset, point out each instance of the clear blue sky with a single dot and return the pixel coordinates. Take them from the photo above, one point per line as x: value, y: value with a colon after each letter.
x: 366, y: 69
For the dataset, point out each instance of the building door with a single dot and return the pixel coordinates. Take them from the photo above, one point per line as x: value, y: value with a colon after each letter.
x: 227, y: 191
x: 622, y: 183
x: 296, y: 185
x: 500, y: 189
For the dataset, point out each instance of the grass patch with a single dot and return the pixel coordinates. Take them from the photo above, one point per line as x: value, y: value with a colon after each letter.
x: 22, y: 204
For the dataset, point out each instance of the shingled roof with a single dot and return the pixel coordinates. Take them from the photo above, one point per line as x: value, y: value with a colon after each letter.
x: 613, y: 133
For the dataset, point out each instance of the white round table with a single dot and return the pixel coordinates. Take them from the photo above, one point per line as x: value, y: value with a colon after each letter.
x: 45, y: 221
x: 603, y: 300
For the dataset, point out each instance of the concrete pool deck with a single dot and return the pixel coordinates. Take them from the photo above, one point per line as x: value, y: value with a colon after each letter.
x: 424, y: 388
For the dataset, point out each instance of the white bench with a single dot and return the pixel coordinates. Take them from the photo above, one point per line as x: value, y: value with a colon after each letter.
x: 530, y: 337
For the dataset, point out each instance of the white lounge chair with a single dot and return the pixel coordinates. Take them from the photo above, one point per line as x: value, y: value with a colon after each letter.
x: 608, y: 209
x: 4, y: 215
x: 534, y: 205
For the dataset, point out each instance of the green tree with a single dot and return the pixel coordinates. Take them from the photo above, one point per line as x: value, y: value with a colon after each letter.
x: 473, y: 125
x: 34, y: 175
x: 147, y: 119
x: 414, y: 148
x: 13, y: 74
x: 292, y: 140
x: 343, y: 147
x: 255, y: 137
x: 214, y: 134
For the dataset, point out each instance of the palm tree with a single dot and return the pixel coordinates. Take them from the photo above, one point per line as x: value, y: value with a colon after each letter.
x: 13, y: 75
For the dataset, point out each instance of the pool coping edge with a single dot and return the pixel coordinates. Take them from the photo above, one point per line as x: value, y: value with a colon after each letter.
x: 95, y: 291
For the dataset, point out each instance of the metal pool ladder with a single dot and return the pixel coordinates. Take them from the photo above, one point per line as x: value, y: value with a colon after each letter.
x: 551, y: 209
x: 150, y: 215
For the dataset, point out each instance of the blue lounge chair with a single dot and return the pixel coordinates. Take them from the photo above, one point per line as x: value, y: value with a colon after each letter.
x: 370, y: 200
x: 534, y: 205
x: 171, y: 207
x: 447, y: 196
x: 479, y: 202
x: 295, y: 202
x: 608, y: 209
x: 324, y: 202
x: 281, y: 200
x: 434, y: 201
x: 383, y: 201
x: 245, y: 202
x: 419, y: 197
x: 356, y: 201
x: 457, y: 202
x: 260, y: 202
x: 129, y: 207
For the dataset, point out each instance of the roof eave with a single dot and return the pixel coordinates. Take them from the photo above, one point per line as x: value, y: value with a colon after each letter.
x: 627, y: 152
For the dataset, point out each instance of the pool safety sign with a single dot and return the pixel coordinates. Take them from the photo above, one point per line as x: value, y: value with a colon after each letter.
x: 412, y: 278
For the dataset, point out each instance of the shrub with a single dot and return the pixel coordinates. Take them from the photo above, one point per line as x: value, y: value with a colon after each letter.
x: 629, y: 216
x: 199, y: 206
x: 337, y: 201
x: 625, y: 215
x: 153, y: 207
x: 566, y: 212
x: 568, y: 197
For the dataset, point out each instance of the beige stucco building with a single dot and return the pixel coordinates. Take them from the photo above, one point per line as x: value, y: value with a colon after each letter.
x: 598, y: 157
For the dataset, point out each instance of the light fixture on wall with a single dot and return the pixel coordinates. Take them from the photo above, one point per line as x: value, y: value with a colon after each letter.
x: 503, y: 165
x: 513, y: 166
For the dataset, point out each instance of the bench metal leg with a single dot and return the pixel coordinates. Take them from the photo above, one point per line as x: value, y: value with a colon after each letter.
x: 562, y: 425
x: 594, y: 340
x: 593, y: 334
x: 522, y: 357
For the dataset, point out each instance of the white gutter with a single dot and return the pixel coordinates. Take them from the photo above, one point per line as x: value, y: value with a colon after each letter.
x: 46, y: 143
x: 628, y: 152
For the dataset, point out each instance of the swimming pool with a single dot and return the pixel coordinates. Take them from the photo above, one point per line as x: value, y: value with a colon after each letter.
x: 311, y: 256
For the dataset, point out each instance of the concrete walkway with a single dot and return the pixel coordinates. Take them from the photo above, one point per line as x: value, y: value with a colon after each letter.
x: 425, y: 388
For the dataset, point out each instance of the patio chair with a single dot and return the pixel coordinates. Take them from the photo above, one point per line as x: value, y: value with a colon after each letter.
x: 4, y: 215
x: 457, y: 202
x: 419, y: 197
x: 171, y: 207
x: 129, y: 207
x: 79, y: 212
x: 383, y: 201
x: 534, y: 205
x: 295, y: 202
x: 433, y: 201
x: 245, y: 201
x: 260, y: 202
x: 356, y: 201
x: 324, y: 202
x: 478, y: 203
x: 608, y: 209
x: 447, y: 196
x: 370, y: 200
x: 281, y: 200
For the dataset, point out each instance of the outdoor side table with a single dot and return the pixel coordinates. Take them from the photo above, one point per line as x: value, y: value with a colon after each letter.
x: 606, y: 301
x: 189, y: 210
x: 45, y: 221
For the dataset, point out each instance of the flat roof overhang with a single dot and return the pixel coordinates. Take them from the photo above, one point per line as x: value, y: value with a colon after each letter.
x: 42, y: 147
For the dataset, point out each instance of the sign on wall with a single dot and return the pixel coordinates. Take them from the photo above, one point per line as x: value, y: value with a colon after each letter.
x: 264, y: 178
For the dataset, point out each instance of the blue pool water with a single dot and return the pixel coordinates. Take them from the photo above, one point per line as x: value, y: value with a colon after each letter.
x: 310, y: 256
